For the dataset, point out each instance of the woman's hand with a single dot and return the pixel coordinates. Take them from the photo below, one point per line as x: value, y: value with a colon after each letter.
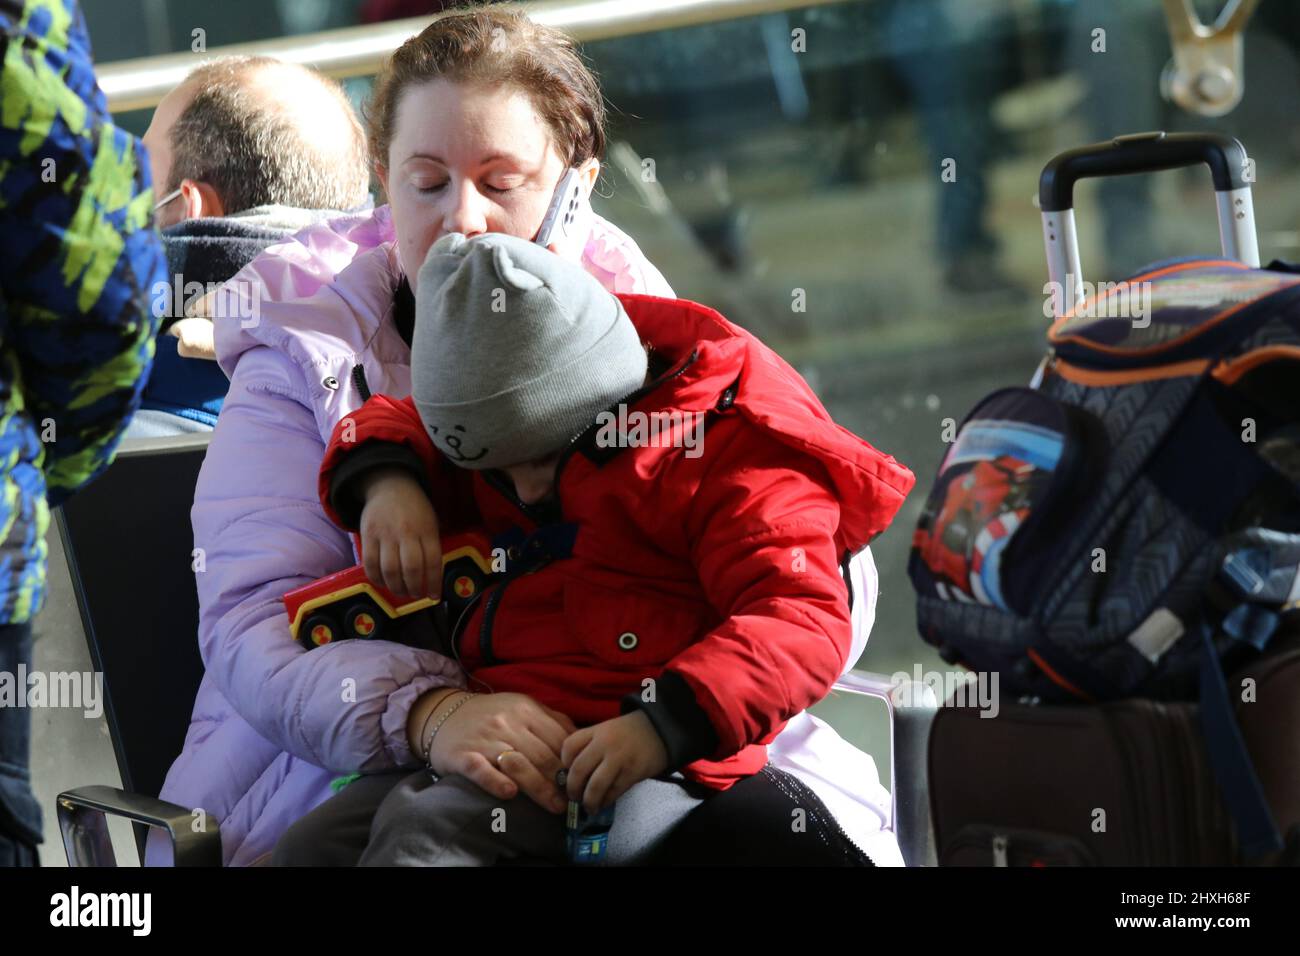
x: 400, y: 545
x: 555, y: 248
x: 487, y: 726
x: 606, y: 759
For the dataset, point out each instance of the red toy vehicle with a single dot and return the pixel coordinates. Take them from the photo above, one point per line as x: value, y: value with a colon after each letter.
x: 347, y: 604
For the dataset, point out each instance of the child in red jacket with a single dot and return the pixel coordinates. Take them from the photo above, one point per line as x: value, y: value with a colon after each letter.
x: 675, y: 506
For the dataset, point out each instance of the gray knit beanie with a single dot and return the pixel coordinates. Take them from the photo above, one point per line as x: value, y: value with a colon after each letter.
x: 515, y: 351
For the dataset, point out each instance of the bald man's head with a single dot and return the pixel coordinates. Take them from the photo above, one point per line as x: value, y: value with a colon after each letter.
x: 256, y: 132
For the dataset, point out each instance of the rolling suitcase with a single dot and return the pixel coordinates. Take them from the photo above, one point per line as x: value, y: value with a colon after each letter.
x: 1127, y: 783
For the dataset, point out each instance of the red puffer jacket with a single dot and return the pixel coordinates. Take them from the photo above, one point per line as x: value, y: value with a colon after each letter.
x: 703, y: 588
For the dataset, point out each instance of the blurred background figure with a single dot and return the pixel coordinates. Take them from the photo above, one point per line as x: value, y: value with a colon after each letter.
x: 245, y: 152
x: 1116, y: 66
x: 940, y: 50
x: 77, y: 260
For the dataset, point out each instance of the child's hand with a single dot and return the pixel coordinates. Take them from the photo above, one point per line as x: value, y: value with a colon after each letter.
x: 606, y: 759
x: 400, y: 545
x: 197, y: 338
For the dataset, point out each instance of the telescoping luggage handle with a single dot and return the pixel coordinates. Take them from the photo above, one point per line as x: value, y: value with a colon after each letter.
x: 1143, y: 153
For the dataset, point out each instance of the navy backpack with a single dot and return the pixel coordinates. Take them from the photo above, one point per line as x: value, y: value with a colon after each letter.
x: 1130, y: 525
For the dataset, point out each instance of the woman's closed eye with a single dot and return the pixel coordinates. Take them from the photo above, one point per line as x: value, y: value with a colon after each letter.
x: 435, y: 187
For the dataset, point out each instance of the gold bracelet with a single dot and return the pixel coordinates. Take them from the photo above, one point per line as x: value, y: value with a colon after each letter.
x: 428, y: 744
x: 433, y: 709
x: 449, y: 693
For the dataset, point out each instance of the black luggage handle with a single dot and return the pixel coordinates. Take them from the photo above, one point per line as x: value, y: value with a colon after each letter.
x: 1144, y: 153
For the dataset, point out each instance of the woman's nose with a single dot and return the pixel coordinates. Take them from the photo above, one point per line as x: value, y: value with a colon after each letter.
x: 467, y: 212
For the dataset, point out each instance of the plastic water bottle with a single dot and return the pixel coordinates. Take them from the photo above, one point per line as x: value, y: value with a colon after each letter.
x: 586, y: 835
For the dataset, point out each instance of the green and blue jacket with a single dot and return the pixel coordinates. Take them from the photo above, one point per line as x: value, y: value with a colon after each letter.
x: 78, y: 261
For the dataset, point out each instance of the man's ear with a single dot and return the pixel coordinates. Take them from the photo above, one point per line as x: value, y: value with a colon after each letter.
x: 200, y: 200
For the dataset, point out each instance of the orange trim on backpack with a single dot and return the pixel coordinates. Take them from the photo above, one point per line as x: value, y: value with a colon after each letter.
x: 1167, y: 270
x: 1230, y: 370
x: 1162, y: 346
x: 1083, y: 376
x: 1055, y: 677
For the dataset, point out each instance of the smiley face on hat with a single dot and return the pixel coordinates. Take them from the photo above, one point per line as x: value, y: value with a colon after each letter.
x: 451, y: 444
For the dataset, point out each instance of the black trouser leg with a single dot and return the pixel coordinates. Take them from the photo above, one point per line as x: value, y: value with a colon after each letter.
x: 20, y: 814
x: 769, y: 819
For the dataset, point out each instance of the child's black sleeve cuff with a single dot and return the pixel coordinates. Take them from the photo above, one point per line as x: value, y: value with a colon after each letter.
x: 345, y: 497
x: 678, y: 718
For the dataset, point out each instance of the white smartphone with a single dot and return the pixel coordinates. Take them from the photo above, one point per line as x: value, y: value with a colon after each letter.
x: 568, y: 220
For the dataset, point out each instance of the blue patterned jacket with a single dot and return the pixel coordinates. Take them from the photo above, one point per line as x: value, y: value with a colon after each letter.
x: 78, y: 258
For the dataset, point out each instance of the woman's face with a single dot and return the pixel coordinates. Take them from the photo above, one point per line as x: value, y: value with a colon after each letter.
x: 469, y: 159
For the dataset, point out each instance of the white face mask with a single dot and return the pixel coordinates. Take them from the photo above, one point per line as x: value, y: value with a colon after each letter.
x: 166, y: 199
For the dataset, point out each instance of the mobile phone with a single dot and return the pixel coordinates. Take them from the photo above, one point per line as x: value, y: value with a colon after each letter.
x: 568, y: 220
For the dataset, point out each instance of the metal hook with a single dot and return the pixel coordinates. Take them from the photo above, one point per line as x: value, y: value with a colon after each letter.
x: 1207, y: 73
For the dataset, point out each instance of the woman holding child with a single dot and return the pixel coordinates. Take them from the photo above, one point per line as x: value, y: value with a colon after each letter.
x: 473, y: 124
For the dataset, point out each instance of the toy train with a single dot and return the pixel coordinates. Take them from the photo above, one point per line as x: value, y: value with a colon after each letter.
x: 347, y: 604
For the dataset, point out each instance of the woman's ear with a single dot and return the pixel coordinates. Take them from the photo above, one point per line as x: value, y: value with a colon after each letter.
x: 381, y: 173
x: 589, y: 170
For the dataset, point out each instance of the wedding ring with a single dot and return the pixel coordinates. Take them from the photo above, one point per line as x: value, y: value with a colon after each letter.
x: 503, y: 753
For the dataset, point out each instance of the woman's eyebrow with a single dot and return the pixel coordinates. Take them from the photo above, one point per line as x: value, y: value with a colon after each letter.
x: 509, y: 157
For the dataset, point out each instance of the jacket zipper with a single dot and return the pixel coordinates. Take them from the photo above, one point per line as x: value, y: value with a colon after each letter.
x: 626, y: 399
x: 489, y: 615
x: 796, y: 788
x: 359, y: 381
x: 848, y: 839
x: 493, y: 599
x: 495, y: 480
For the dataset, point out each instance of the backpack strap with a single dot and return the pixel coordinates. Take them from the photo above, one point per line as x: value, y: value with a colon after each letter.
x: 1242, y: 792
x: 1261, y: 568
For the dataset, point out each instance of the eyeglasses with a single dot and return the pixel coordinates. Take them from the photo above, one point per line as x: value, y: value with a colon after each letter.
x: 166, y: 199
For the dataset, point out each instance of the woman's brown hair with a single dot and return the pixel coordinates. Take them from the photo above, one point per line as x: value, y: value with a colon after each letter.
x: 497, y: 46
